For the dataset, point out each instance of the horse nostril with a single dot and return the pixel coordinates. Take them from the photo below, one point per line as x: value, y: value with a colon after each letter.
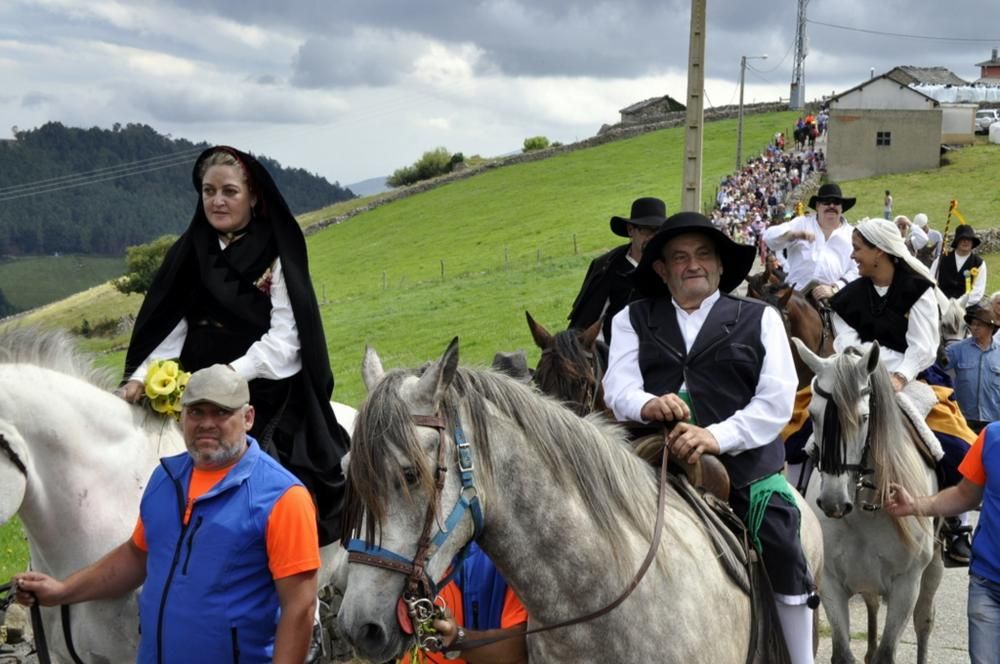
x: 848, y: 508
x: 372, y: 638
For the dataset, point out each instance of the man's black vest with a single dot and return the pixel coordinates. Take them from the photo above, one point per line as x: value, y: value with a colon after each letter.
x: 721, y: 371
x: 876, y: 318
x: 950, y: 280
x: 609, y: 279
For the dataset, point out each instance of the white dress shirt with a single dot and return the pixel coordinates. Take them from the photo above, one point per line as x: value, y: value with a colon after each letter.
x: 755, y: 425
x: 978, y: 283
x: 923, y: 336
x: 826, y: 261
x: 275, y: 355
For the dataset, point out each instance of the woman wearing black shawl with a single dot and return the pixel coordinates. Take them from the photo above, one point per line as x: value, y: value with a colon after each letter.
x: 235, y: 289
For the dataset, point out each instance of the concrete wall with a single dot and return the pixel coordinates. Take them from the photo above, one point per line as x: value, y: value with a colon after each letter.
x: 852, y: 151
x: 958, y: 124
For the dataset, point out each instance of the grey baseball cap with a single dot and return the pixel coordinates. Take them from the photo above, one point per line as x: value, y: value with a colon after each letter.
x: 217, y: 384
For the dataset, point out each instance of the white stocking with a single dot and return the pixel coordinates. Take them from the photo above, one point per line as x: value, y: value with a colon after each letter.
x: 797, y: 624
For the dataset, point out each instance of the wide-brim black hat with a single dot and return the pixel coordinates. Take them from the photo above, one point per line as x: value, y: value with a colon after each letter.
x: 650, y: 212
x: 832, y: 190
x: 737, y: 259
x: 965, y: 232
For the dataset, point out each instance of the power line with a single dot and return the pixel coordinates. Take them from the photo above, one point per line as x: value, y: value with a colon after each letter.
x: 73, y: 185
x: 903, y: 35
x: 97, y: 175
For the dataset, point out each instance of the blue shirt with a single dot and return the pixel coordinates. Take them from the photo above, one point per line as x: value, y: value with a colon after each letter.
x: 977, y: 379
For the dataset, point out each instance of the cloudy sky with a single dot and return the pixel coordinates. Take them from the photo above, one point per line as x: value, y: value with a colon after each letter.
x: 353, y: 89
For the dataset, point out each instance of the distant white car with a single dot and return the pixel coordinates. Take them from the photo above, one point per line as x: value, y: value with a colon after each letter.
x: 984, y: 118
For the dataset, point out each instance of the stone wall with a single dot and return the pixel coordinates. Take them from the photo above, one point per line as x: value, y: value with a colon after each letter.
x: 607, y: 134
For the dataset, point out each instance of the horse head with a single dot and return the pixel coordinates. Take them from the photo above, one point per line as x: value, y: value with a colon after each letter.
x: 847, y: 392
x: 952, y: 317
x: 404, y: 469
x: 571, y: 366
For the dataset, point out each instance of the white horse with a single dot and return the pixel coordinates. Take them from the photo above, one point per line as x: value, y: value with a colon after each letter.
x: 568, y: 514
x: 861, y: 446
x: 74, y: 460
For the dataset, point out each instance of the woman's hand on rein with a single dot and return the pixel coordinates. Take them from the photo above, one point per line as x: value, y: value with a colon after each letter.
x: 131, y: 391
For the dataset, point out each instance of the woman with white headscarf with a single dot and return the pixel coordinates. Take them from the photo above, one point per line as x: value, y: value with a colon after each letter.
x: 893, y: 302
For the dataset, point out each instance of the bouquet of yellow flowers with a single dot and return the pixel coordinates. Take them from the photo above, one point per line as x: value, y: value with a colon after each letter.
x: 165, y: 383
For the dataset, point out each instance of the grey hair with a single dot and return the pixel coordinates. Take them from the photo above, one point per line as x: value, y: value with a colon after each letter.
x: 222, y: 158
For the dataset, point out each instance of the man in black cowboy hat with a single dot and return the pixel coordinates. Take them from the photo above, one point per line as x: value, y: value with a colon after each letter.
x: 719, y: 368
x: 608, y: 285
x: 818, y: 245
x: 961, y: 271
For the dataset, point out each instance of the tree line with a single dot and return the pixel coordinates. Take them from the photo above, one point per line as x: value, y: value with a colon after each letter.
x: 105, y: 217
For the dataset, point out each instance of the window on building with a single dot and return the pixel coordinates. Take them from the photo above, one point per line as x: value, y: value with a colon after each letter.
x: 883, y: 138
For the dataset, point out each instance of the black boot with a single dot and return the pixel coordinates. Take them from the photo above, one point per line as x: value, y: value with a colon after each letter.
x: 957, y: 546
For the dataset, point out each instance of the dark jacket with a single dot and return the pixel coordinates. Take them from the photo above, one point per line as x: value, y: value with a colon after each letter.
x: 721, y: 371
x: 608, y: 281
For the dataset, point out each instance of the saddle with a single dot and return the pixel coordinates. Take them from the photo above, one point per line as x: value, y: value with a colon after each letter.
x: 705, y: 486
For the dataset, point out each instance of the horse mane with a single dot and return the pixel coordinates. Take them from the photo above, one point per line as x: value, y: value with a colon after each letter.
x: 893, y: 456
x: 587, y: 457
x: 52, y: 349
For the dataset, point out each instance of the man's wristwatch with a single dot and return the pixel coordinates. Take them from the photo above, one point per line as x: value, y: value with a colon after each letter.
x: 455, y: 649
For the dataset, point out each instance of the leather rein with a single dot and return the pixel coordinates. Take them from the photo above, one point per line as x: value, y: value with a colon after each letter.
x: 420, y: 591
x: 41, y: 645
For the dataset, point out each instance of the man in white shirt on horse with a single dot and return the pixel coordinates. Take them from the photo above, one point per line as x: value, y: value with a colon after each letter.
x: 718, y: 369
x: 818, y: 245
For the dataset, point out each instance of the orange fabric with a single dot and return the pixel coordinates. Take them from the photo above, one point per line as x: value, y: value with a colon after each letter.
x: 800, y: 412
x: 946, y: 417
x: 292, y: 539
x: 972, y: 465
x: 513, y: 614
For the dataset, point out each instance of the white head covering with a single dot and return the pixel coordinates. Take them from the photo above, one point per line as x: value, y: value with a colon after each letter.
x: 884, y: 235
x: 920, y: 219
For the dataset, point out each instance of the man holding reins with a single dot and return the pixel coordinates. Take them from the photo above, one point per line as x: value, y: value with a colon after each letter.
x: 719, y: 368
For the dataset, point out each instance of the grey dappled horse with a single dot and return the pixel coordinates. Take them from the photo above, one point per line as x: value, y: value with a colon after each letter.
x: 568, y: 513
x: 74, y: 460
x: 859, y: 453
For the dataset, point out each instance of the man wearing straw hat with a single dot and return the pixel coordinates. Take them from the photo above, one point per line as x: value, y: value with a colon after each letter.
x: 974, y: 361
x: 818, y: 245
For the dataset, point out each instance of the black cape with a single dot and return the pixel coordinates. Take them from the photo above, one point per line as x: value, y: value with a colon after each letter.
x: 313, y: 445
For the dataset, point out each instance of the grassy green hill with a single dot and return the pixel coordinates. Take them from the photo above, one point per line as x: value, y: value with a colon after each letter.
x: 31, y: 282
x: 514, y: 239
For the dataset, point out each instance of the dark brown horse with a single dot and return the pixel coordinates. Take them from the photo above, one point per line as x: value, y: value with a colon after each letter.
x: 571, y: 366
x: 802, y: 318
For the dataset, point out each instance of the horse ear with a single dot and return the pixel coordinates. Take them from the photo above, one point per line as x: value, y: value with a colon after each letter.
x: 371, y: 368
x: 963, y: 300
x: 541, y: 336
x: 784, y: 294
x: 437, y: 377
x: 812, y: 360
x: 589, y: 336
x: 871, y: 357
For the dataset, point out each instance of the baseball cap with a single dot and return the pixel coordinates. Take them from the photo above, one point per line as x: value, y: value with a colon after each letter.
x: 217, y: 384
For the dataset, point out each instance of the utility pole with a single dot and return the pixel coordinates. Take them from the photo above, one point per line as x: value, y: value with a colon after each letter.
x: 739, y: 121
x: 693, y: 133
x: 797, y: 94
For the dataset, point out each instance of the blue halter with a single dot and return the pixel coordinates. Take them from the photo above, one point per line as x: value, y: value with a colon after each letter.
x: 468, y: 501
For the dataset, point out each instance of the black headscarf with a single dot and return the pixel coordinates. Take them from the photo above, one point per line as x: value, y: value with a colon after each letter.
x: 319, y: 441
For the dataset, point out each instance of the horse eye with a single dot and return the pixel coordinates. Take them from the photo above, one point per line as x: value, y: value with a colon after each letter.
x: 411, y: 477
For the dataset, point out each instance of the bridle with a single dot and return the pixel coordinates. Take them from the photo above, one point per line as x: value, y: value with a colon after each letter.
x: 831, y: 458
x: 420, y: 590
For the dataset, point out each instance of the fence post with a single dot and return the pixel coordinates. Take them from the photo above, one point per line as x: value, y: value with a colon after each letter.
x: 442, y: 269
x: 385, y: 280
x: 506, y: 260
x: 538, y: 256
x: 575, y: 252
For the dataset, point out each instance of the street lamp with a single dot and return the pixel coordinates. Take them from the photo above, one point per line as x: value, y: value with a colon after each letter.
x: 739, y: 122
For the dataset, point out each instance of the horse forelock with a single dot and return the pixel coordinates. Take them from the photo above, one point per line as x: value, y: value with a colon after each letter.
x: 585, y: 457
x: 565, y: 369
x: 52, y: 349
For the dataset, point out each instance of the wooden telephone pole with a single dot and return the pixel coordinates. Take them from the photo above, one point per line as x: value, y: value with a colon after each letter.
x: 693, y: 134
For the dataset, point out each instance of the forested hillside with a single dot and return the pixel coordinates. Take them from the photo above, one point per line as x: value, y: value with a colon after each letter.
x: 97, y: 191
